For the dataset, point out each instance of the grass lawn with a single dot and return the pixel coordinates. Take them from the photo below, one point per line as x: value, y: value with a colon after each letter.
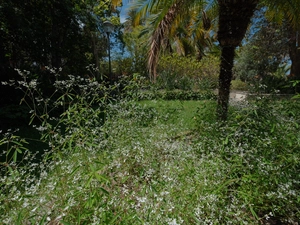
x: 176, y: 112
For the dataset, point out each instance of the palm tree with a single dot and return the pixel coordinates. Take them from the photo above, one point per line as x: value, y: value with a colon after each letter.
x: 234, y: 19
x: 181, y: 22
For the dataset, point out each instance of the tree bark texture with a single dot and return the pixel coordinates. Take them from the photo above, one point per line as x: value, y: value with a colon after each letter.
x: 225, y: 78
x: 234, y: 19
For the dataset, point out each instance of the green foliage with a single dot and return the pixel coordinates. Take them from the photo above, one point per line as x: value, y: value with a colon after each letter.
x: 239, y: 85
x: 183, y: 95
x: 187, y: 73
x: 175, y: 95
x: 14, y: 146
x: 138, y: 88
x: 260, y: 144
x: 136, y: 48
x: 131, y: 86
x: 263, y: 60
x: 295, y: 84
x: 80, y: 103
x: 64, y: 34
x: 155, y: 162
x: 204, y: 112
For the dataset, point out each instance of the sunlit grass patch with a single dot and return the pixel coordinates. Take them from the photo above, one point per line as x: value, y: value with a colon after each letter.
x: 185, y: 113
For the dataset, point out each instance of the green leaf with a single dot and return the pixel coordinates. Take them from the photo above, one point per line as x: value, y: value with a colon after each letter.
x: 100, y: 178
x: 273, y: 128
x: 226, y: 141
x: 296, y: 96
x: 89, y: 181
x: 74, y: 171
x: 43, y: 220
x: 253, y: 212
x: 32, y: 117
x: 15, y: 156
x: 103, y: 190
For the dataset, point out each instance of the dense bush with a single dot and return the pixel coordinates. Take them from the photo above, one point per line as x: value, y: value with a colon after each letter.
x: 186, y: 73
x: 239, y: 85
x: 136, y: 87
x: 176, y: 95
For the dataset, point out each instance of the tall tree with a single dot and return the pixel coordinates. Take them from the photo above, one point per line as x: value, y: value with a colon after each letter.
x: 54, y: 33
x: 43, y: 33
x: 289, y: 13
x: 265, y: 53
x: 234, y: 18
x: 98, y: 12
x: 294, y: 50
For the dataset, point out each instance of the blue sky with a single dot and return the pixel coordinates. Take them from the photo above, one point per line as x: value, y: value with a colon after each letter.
x: 123, y: 14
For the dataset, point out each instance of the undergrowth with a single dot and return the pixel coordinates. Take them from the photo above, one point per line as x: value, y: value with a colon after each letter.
x: 155, y: 162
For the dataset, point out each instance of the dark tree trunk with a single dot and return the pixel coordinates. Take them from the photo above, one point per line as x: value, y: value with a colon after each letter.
x: 225, y: 78
x: 294, y: 50
x: 234, y: 19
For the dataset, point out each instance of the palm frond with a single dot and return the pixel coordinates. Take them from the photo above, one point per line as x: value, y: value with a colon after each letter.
x: 164, y: 23
x: 116, y: 2
x: 278, y: 9
x: 142, y: 8
x: 172, y: 20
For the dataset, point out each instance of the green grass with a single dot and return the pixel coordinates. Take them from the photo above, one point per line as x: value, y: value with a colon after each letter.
x: 176, y: 112
x: 164, y: 162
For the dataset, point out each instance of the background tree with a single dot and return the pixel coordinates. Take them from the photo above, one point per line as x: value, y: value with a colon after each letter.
x: 288, y: 12
x: 136, y: 50
x: 175, y: 26
x: 264, y: 56
x: 234, y: 18
x: 66, y: 34
x: 101, y: 11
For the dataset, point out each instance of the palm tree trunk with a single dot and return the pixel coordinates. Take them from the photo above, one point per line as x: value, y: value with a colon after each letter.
x: 234, y: 19
x: 225, y: 78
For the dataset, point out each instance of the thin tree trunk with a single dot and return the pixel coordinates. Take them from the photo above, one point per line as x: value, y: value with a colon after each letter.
x: 225, y: 81
x: 96, y: 55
